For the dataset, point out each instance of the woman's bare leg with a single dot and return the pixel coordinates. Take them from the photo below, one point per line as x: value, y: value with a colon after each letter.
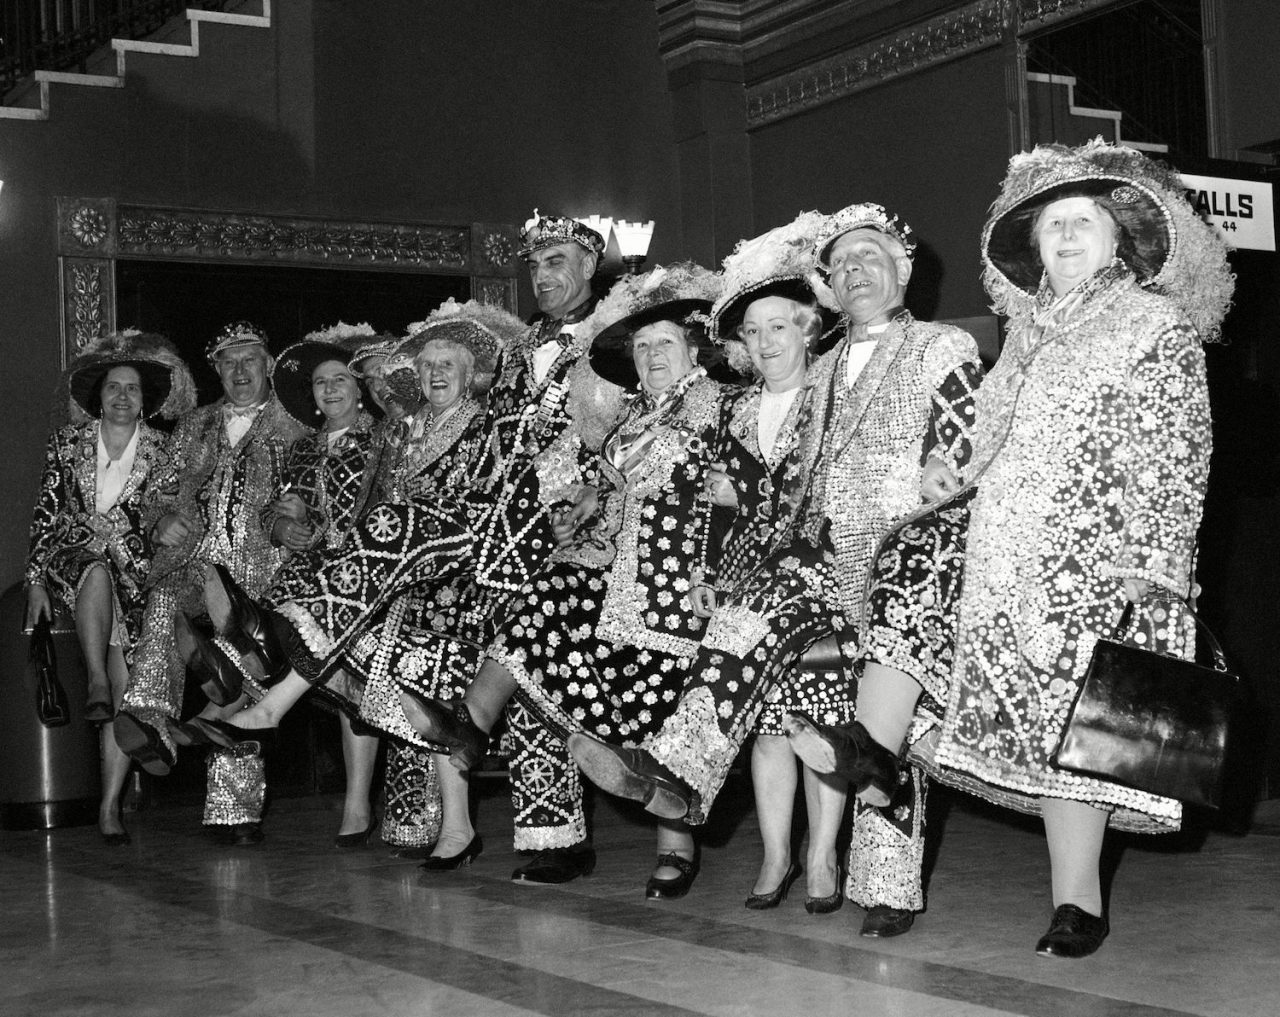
x: 773, y: 779
x: 359, y: 753
x: 269, y: 710
x: 824, y: 802
x: 673, y: 837
x: 1074, y: 831
x: 456, y: 831
x: 94, y: 615
x: 115, y: 764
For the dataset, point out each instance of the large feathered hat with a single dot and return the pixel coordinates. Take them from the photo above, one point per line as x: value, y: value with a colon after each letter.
x: 484, y: 329
x: 781, y: 262
x: 682, y: 293
x: 167, y: 388
x: 1170, y: 249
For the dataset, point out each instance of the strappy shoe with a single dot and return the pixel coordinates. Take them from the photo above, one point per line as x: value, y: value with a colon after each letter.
x: 670, y: 889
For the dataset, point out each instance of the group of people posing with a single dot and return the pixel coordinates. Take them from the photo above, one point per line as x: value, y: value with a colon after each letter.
x: 766, y: 502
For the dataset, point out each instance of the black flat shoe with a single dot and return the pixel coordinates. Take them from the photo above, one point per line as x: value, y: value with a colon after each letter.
x: 444, y: 863
x: 1073, y: 933
x: 220, y: 678
x: 557, y: 865
x: 120, y: 839
x: 359, y: 839
x: 448, y: 724
x: 849, y: 752
x: 632, y: 774
x: 774, y: 897
x: 882, y: 922
x: 142, y: 743
x: 670, y: 889
x: 247, y: 835
x: 228, y: 736
x: 249, y: 626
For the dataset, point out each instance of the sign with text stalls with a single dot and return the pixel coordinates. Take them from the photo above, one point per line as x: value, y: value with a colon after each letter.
x: 1240, y: 210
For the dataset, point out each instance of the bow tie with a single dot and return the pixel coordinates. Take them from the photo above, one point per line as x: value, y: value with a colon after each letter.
x: 230, y: 411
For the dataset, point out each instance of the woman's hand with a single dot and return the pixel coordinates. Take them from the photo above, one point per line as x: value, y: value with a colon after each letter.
x: 290, y: 504
x: 172, y: 530
x: 1137, y: 590
x: 566, y: 521
x: 719, y: 486
x: 703, y: 601
x: 937, y: 482
x: 38, y: 604
x: 293, y: 534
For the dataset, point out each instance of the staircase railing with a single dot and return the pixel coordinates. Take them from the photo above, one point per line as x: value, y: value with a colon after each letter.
x: 61, y: 35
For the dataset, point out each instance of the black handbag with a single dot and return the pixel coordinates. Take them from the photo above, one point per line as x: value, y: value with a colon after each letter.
x: 51, y: 698
x: 1151, y: 721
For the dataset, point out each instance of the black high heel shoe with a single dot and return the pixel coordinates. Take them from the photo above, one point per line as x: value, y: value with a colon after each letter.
x: 228, y: 736
x: 825, y: 905
x: 98, y: 708
x: 346, y: 841
x: 447, y: 724
x: 444, y: 863
x: 774, y: 897
x: 670, y: 889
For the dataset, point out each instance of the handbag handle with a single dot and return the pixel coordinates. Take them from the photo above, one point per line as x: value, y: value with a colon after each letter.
x: 1219, y: 658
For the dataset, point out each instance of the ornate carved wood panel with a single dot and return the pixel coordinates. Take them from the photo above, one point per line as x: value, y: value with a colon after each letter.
x: 93, y: 233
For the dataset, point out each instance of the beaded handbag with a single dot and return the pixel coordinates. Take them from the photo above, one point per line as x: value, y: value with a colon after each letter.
x: 1150, y: 721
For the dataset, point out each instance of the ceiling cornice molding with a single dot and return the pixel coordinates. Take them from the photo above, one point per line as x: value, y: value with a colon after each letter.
x: 975, y: 26
x: 743, y: 33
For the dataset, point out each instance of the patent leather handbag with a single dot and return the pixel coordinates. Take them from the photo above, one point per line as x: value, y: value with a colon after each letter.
x: 1150, y: 721
x: 51, y: 698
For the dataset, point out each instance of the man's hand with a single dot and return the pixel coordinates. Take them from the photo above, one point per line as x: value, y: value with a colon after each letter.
x: 703, y: 601
x: 38, y: 604
x: 172, y: 530
x: 937, y: 482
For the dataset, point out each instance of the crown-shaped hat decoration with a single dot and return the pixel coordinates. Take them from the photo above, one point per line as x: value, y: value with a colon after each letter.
x: 541, y: 231
x: 864, y: 215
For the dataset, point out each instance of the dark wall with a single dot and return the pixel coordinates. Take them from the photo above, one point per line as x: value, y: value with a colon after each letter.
x: 932, y: 147
x: 454, y: 112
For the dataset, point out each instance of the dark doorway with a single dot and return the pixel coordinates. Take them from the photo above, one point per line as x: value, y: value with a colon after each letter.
x: 191, y: 302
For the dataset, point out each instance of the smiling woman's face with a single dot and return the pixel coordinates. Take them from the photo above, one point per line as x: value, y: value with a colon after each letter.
x: 774, y: 341
x: 336, y: 392
x: 1075, y: 237
x: 444, y: 369
x: 661, y: 355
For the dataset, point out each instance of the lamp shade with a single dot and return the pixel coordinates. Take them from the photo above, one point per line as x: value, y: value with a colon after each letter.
x: 633, y: 237
x: 602, y: 224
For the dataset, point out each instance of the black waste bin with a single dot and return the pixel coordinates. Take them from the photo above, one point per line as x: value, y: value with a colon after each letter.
x: 48, y: 776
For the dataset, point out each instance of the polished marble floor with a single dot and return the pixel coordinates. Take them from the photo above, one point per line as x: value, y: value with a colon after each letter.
x: 173, y: 925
